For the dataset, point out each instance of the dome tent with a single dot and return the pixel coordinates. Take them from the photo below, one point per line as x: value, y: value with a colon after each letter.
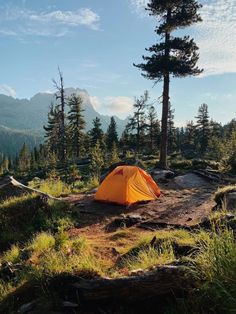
x: 127, y: 185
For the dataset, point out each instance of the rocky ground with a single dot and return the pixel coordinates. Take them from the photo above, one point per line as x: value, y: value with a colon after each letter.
x: 184, y: 202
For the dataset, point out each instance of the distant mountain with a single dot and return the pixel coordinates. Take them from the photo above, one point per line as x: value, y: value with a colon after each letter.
x: 22, y: 120
x: 24, y: 114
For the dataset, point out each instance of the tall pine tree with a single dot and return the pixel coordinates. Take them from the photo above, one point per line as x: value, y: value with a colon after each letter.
x: 203, y: 128
x: 137, y: 123
x: 53, y: 130
x: 111, y: 135
x: 76, y: 125
x: 153, y: 128
x: 96, y: 134
x: 172, y: 56
x: 61, y: 98
x: 171, y: 130
x: 24, y: 159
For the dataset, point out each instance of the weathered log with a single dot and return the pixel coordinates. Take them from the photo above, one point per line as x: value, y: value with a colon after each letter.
x: 9, y: 180
x: 161, y: 280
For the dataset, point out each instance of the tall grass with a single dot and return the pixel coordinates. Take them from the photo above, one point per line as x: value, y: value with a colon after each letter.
x: 216, y: 266
x: 150, y: 256
x: 52, y: 187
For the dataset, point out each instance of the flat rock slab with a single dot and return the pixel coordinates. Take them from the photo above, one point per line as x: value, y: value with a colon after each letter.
x: 188, y: 181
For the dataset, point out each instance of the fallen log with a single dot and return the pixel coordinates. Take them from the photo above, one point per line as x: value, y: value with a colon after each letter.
x: 162, y: 280
x: 9, y: 180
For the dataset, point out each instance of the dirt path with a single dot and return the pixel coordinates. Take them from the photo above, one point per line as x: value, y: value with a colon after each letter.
x: 175, y: 206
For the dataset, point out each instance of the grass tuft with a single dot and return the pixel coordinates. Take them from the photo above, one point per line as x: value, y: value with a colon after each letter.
x: 12, y: 255
x: 42, y: 242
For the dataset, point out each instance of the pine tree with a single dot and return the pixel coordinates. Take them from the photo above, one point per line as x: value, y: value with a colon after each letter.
x: 96, y: 134
x: 171, y: 130
x: 124, y: 142
x: 76, y: 125
x: 114, y: 155
x: 24, y: 159
x: 111, y: 135
x: 53, y: 130
x: 60, y: 96
x: 97, y: 160
x: 73, y: 175
x: 203, y: 128
x: 172, y: 56
x: 153, y: 128
x: 5, y: 164
x: 137, y: 123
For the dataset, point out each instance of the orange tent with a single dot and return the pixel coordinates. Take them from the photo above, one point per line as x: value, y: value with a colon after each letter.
x: 127, y: 185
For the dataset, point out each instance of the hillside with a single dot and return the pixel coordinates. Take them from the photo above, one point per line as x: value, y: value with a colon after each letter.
x: 31, y: 114
x: 11, y: 140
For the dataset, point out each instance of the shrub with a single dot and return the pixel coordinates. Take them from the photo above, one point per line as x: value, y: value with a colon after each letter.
x: 203, y: 164
x: 181, y: 164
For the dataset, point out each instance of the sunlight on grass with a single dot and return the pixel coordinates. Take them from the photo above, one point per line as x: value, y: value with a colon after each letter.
x: 42, y: 242
x: 12, y: 255
x: 215, y: 265
x: 52, y: 187
x: 147, y: 257
x: 221, y: 192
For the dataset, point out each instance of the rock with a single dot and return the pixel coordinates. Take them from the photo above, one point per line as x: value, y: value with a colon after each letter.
x: 124, y: 221
x: 160, y: 175
x: 188, y: 181
x: 230, y: 199
x: 70, y: 304
x: 25, y: 308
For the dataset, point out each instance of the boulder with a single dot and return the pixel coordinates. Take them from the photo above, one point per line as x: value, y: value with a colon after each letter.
x: 188, y: 181
x: 160, y: 175
x: 230, y: 200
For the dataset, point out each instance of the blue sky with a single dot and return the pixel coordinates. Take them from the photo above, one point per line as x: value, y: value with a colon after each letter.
x: 95, y: 43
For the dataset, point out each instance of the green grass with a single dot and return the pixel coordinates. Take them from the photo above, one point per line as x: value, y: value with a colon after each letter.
x: 22, y: 216
x: 12, y: 255
x: 147, y: 257
x: 52, y: 187
x: 41, y: 242
x: 215, y: 270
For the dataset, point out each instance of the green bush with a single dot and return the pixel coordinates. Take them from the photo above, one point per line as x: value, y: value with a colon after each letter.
x: 204, y: 163
x: 181, y: 164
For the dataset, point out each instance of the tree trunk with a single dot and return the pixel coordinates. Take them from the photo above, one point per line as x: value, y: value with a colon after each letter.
x: 164, y: 123
x: 163, y: 280
x: 165, y: 104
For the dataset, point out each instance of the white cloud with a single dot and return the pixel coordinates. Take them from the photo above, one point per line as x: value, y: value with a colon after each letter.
x: 57, y: 23
x: 216, y: 37
x: 138, y: 6
x: 80, y: 17
x: 96, y: 102
x: 120, y: 106
x: 7, y: 90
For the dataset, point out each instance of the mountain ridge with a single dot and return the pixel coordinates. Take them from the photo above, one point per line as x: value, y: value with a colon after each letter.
x: 31, y: 114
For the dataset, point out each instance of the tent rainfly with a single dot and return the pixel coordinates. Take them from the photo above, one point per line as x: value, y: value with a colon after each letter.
x: 127, y: 185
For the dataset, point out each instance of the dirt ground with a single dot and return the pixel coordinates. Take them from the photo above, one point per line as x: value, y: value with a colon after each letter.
x: 176, y: 206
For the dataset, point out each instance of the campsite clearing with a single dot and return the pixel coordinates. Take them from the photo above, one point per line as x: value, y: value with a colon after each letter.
x: 176, y: 208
